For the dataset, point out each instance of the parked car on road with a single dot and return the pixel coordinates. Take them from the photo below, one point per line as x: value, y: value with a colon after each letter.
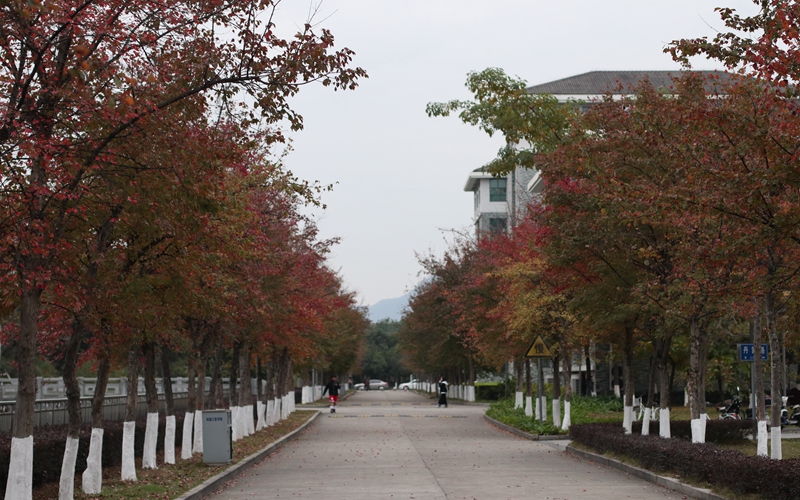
x: 374, y: 385
x: 411, y: 384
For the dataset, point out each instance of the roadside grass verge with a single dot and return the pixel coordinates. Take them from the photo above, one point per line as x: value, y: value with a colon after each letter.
x: 171, y: 481
x: 583, y: 410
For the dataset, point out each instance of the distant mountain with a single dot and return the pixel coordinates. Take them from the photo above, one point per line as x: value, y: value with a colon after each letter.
x: 389, y: 308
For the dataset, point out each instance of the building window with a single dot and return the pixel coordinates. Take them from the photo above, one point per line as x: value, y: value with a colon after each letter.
x: 477, y: 199
x: 497, y: 190
x: 497, y: 225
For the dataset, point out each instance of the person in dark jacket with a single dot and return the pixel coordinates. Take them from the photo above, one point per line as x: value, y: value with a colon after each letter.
x: 332, y: 388
x: 442, y: 392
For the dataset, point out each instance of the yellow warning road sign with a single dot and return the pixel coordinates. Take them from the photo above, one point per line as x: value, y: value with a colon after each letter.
x: 538, y: 349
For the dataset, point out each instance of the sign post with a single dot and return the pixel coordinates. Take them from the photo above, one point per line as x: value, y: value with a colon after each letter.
x: 747, y: 353
x: 539, y: 350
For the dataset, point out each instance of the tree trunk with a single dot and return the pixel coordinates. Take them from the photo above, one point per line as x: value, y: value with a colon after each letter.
x: 217, y: 396
x: 694, y: 379
x: 776, y: 374
x: 589, y: 378
x: 20, y: 470
x: 556, y: 390
x: 129, y: 427
x: 151, y: 431
x: 200, y: 361
x: 627, y: 379
x: 757, y: 403
x: 233, y: 393
x: 92, y: 479
x: 567, y: 360
x: 191, y: 408
x: 169, y: 429
x: 245, y: 412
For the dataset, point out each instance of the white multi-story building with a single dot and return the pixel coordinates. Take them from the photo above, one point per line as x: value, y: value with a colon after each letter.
x: 500, y: 200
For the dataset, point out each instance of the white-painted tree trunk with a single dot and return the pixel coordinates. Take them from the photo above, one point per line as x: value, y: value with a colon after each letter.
x: 186, y: 438
x: 537, y: 408
x: 528, y: 406
x: 627, y: 419
x: 251, y: 429
x: 20, y: 469
x: 268, y: 414
x: 150, y: 440
x: 128, y: 462
x: 646, y: 422
x: 260, y: 411
x: 556, y: 412
x: 243, y: 430
x: 92, y: 479
x: 703, y: 421
x: 663, y: 423
x: 617, y: 392
x: 544, y: 408
x: 763, y: 439
x: 518, y: 401
x: 66, y: 485
x: 698, y: 436
x: 566, y: 422
x: 776, y: 452
x: 235, y: 427
x: 169, y: 440
x: 198, y: 432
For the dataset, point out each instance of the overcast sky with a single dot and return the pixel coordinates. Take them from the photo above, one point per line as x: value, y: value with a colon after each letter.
x: 400, y: 175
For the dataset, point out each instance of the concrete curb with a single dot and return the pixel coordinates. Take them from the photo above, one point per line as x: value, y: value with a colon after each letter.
x: 667, y: 482
x: 523, y: 434
x: 211, y: 484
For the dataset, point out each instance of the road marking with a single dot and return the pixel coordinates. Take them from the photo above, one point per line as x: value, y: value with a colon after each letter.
x: 398, y: 416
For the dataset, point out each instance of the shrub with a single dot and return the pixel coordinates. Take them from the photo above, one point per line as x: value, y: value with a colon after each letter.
x: 489, y: 391
x: 773, y: 479
x: 49, y: 443
x: 717, y: 431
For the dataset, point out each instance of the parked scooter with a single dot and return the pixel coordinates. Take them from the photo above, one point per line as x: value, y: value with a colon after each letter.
x: 731, y: 411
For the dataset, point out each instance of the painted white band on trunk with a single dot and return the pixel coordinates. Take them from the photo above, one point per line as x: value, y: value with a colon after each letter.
x: 251, y: 429
x: 268, y: 418
x: 243, y: 422
x: 528, y: 406
x: 518, y: 400
x: 627, y: 419
x: 186, y: 437
x: 92, y: 479
x: 646, y: 422
x: 260, y: 412
x: 128, y: 463
x: 198, y: 432
x: 169, y: 440
x: 556, y: 412
x: 567, y: 421
x: 698, y: 436
x: 150, y: 440
x: 235, y: 429
x: 704, y: 420
x: 776, y: 451
x: 762, y: 449
x: 20, y: 470
x: 66, y: 484
x: 544, y: 408
x: 663, y: 424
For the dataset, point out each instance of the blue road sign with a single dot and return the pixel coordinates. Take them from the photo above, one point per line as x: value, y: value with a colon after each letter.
x: 747, y: 352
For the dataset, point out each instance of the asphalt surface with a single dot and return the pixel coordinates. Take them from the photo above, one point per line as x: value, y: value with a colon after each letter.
x: 399, y: 445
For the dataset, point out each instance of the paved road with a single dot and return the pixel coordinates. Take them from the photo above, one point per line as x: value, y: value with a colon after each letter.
x: 396, y: 445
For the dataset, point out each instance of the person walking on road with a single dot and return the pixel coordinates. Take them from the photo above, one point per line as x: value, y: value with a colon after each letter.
x: 332, y: 388
x: 442, y: 392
